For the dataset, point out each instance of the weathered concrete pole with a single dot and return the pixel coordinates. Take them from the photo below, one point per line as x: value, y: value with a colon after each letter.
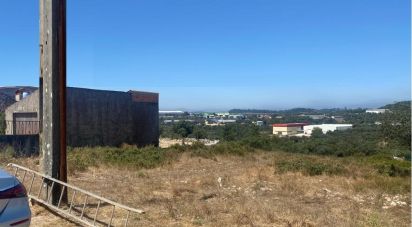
x: 53, y: 91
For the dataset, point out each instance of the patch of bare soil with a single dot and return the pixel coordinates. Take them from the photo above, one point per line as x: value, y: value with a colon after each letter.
x: 43, y: 217
x: 167, y: 142
x: 238, y: 191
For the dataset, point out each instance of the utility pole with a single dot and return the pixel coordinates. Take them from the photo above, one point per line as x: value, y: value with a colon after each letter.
x: 52, y: 101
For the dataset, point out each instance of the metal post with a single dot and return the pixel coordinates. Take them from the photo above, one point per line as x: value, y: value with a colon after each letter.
x: 53, y: 88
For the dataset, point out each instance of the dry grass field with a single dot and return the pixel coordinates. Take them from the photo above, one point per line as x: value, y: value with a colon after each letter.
x: 248, y: 190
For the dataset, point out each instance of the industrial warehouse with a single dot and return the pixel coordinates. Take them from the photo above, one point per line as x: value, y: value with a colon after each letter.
x: 304, y: 129
x: 94, y: 117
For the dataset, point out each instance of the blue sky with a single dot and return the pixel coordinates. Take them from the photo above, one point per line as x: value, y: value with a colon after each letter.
x: 223, y: 54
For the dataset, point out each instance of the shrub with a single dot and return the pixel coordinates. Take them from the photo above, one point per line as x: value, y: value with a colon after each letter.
x: 183, y: 128
x: 6, y: 154
x: 408, y: 156
x: 317, y: 133
x: 386, y: 165
x: 309, y: 167
x: 235, y: 132
x: 128, y: 157
x: 199, y: 133
x: 258, y: 142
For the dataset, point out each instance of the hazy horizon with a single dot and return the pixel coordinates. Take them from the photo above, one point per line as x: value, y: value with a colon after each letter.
x: 273, y: 107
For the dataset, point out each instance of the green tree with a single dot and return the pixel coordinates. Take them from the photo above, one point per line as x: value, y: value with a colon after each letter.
x: 396, y: 127
x: 233, y: 132
x: 317, y: 133
x: 199, y: 133
x: 229, y: 133
x: 183, y: 129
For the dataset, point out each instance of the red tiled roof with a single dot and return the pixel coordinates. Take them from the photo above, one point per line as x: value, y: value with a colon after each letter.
x: 290, y: 125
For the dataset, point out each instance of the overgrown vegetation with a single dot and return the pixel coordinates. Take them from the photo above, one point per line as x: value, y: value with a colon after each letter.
x: 396, y: 127
x: 368, y: 148
x: 7, y: 153
x: 379, y: 171
x: 310, y: 166
x: 339, y: 169
x: 229, y: 132
x: 126, y: 156
x: 368, y: 144
x: 132, y: 157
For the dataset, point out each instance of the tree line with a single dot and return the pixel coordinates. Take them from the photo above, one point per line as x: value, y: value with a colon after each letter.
x: 388, y: 133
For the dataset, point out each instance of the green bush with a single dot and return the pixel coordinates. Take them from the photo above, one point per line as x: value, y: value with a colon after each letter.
x: 199, y: 133
x: 386, y: 165
x: 183, y: 128
x: 129, y: 157
x: 317, y: 133
x: 362, y: 142
x: 309, y: 167
x: 258, y: 142
x: 235, y: 132
x: 7, y: 152
x: 408, y: 156
x: 223, y: 148
x: 393, y: 170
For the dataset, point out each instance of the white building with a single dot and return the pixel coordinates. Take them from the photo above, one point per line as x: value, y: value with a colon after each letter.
x: 288, y: 129
x: 224, y: 121
x: 216, y: 121
x: 259, y: 123
x: 224, y: 114
x: 377, y: 111
x: 236, y: 116
x: 307, y: 130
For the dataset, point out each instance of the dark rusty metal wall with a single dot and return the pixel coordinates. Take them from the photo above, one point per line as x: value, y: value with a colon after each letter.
x: 98, y: 118
x: 110, y: 118
x: 106, y: 118
x: 146, y: 123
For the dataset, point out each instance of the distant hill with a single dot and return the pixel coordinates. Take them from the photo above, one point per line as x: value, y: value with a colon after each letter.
x: 7, y: 95
x: 289, y: 111
x: 236, y: 111
x: 10, y: 91
x: 255, y: 111
x: 399, y: 106
x: 5, y: 101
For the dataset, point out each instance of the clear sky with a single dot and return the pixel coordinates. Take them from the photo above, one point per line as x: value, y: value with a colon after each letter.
x: 223, y: 54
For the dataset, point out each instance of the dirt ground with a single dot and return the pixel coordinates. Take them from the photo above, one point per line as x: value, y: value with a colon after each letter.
x: 167, y: 142
x: 237, y: 191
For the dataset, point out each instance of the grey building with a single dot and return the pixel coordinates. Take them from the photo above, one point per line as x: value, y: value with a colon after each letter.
x: 95, y: 117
